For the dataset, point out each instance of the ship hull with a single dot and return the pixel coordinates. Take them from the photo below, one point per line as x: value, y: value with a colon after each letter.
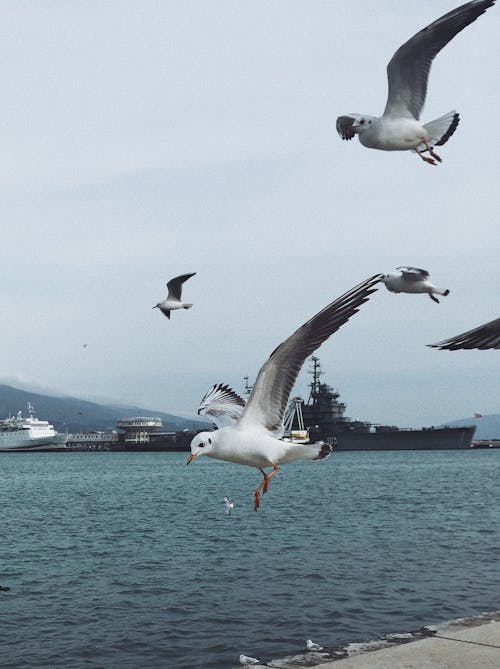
x: 447, y: 438
x: 56, y: 442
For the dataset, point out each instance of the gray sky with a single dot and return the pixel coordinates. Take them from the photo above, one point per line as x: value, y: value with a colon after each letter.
x: 145, y: 140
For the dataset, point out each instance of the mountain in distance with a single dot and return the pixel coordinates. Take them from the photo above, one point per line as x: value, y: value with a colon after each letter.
x: 76, y: 415
x: 487, y: 427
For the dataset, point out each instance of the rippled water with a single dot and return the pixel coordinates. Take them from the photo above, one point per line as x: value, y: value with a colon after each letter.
x: 127, y: 559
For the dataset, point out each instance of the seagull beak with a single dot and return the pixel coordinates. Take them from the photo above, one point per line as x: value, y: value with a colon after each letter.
x: 191, y: 458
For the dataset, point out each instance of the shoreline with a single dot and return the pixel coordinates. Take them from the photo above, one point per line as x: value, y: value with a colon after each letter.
x: 461, y: 643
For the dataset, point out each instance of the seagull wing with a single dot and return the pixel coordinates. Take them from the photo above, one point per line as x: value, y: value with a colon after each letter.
x: 222, y: 405
x: 269, y: 397
x: 408, y: 70
x: 175, y: 286
x: 414, y: 273
x: 344, y: 127
x: 483, y: 337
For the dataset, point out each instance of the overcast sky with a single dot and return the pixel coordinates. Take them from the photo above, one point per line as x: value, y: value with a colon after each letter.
x: 142, y: 140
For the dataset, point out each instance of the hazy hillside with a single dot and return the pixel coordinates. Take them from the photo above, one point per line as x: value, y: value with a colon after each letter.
x: 487, y: 427
x: 73, y: 414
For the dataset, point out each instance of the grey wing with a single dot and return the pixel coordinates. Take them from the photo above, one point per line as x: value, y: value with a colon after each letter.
x: 408, y: 70
x: 222, y: 405
x: 414, y: 273
x: 269, y: 397
x: 344, y: 127
x: 483, y: 337
x: 175, y: 286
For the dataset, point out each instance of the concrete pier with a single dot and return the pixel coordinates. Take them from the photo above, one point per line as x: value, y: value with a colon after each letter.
x: 465, y: 643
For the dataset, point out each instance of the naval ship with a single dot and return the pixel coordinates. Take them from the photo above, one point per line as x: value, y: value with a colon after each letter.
x: 323, y: 417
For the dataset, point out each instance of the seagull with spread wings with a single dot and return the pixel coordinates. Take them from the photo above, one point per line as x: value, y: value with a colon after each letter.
x: 173, y: 299
x: 483, y: 337
x: 399, y: 127
x: 249, y: 433
x: 412, y: 280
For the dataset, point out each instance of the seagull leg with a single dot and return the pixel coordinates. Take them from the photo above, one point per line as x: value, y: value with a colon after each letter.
x: 268, y: 478
x: 262, y: 486
x: 427, y: 160
x: 432, y: 152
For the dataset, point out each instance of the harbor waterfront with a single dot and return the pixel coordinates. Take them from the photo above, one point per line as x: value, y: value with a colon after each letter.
x: 128, y: 559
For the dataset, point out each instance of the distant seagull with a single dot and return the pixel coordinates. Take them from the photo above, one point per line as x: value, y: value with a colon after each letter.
x: 484, y: 337
x: 249, y: 434
x: 173, y: 300
x: 228, y: 505
x: 246, y: 661
x: 399, y: 128
x: 85, y: 345
x: 313, y: 646
x: 412, y: 280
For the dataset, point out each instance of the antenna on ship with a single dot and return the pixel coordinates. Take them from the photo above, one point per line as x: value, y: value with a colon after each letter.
x: 315, y: 383
x: 31, y: 410
x: 248, y: 388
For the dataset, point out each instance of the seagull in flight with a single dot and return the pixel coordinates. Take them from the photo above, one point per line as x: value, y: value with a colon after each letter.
x: 228, y: 505
x: 173, y: 300
x: 399, y: 128
x: 249, y: 433
x: 412, y: 280
x: 483, y: 337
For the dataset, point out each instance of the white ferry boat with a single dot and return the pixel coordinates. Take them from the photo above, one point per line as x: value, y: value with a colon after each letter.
x: 18, y: 433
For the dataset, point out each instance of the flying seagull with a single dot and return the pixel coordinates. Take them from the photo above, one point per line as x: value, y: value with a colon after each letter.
x: 483, y: 337
x: 399, y: 127
x: 173, y: 300
x: 249, y: 434
x: 228, y: 505
x: 412, y: 280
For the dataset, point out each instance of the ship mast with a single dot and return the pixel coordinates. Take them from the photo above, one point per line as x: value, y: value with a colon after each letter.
x: 315, y: 383
x: 248, y: 388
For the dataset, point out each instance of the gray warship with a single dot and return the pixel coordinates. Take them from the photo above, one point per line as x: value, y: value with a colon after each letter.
x: 323, y: 417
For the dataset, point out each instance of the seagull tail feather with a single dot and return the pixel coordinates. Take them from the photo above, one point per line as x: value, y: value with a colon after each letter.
x: 441, y: 129
x: 187, y: 306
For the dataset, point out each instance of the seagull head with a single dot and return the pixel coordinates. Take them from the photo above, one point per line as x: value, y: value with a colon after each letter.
x: 202, y: 444
x: 362, y: 123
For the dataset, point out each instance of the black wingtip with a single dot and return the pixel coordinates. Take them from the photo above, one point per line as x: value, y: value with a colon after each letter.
x: 344, y: 127
x: 453, y: 126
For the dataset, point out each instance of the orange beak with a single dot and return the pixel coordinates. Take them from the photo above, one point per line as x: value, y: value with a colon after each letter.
x: 191, y: 458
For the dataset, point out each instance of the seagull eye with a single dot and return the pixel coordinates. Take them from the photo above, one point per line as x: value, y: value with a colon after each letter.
x: 362, y: 122
x: 200, y: 445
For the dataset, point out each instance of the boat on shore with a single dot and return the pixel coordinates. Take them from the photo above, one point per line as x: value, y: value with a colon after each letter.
x: 323, y: 415
x: 27, y: 433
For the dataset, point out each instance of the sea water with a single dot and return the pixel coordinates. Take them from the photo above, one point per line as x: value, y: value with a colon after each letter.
x: 128, y: 560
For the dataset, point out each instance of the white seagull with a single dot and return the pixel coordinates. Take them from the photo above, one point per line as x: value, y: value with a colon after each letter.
x: 313, y: 646
x: 412, y: 280
x: 246, y: 661
x: 483, y: 337
x: 399, y: 127
x: 173, y: 300
x: 228, y: 505
x: 249, y: 434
